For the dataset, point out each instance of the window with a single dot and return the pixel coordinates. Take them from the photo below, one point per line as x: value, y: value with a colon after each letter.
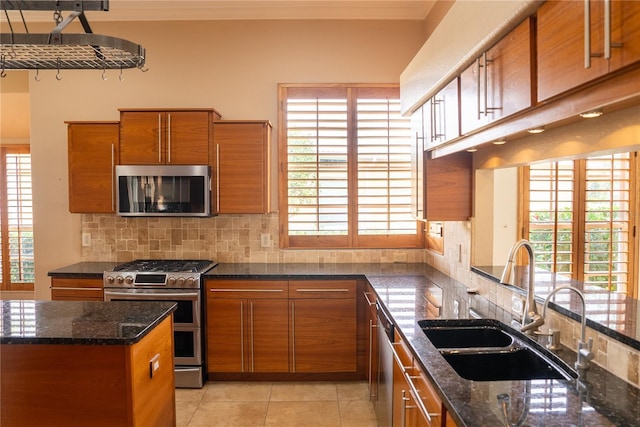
x: 345, y: 155
x: 580, y: 217
x: 16, y: 219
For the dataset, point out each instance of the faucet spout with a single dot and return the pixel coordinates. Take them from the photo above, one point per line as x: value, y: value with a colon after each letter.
x: 585, y: 354
x: 531, y: 320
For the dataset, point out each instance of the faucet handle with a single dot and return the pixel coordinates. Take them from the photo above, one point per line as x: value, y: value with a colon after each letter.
x: 585, y: 354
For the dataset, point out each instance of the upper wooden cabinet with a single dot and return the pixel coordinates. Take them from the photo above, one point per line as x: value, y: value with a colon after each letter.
x: 179, y: 137
x: 441, y: 117
x: 92, y: 155
x: 571, y: 54
x: 448, y: 192
x: 242, y: 166
x: 498, y: 83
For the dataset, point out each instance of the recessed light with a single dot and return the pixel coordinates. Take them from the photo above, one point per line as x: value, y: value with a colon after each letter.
x: 591, y: 114
x: 472, y: 150
x: 536, y: 130
x: 500, y: 142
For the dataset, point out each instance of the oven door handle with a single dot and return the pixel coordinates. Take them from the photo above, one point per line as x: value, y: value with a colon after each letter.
x: 154, y: 295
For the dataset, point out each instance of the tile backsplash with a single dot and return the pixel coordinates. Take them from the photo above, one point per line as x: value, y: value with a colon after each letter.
x: 224, y: 238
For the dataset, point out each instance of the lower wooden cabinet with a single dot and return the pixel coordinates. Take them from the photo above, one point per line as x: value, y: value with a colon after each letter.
x: 247, y: 326
x: 371, y: 348
x: 76, y: 289
x: 292, y: 327
x: 415, y: 403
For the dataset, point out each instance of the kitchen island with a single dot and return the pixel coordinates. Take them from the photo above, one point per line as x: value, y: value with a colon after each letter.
x: 76, y: 363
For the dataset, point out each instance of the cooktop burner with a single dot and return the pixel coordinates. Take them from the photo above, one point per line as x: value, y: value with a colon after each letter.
x: 166, y: 266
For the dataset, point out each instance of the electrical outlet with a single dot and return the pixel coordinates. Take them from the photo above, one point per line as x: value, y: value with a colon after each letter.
x: 265, y: 240
x: 86, y: 239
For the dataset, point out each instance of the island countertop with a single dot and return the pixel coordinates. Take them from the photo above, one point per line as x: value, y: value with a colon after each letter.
x: 79, y: 322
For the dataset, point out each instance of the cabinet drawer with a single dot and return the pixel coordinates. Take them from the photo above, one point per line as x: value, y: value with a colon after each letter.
x: 300, y: 289
x: 65, y: 282
x: 255, y: 289
x: 77, y: 294
x: 428, y: 396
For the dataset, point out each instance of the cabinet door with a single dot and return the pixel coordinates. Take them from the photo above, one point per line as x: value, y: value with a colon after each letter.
x: 225, y: 335
x: 561, y: 46
x: 372, y: 355
x: 268, y: 335
x: 187, y: 137
x: 498, y: 84
x: 625, y: 33
x: 443, y: 123
x: 402, y: 404
x: 92, y: 152
x: 242, y: 166
x: 448, y: 187
x: 72, y: 289
x: 323, y: 335
x: 142, y: 138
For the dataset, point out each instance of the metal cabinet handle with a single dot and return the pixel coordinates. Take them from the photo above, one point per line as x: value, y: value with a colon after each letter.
x: 242, y: 335
x: 478, y: 66
x: 217, y: 177
x: 293, y: 336
x: 322, y: 290
x: 168, y: 137
x: 159, y: 138
x: 252, y: 335
x: 244, y: 290
x: 372, y: 395
x: 113, y: 165
x: 403, y: 414
x: 366, y: 297
x: 419, y: 403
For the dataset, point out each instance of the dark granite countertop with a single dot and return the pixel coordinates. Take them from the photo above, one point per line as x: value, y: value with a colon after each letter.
x: 79, y: 322
x: 598, y: 399
x: 84, y: 269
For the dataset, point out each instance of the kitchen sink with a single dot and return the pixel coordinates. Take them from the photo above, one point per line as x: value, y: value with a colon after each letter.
x: 489, y: 350
x: 467, y: 337
x: 518, y: 364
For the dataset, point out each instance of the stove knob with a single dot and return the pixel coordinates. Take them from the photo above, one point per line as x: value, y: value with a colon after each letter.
x: 171, y: 280
x: 191, y: 281
x: 128, y: 280
x: 180, y: 280
x: 110, y: 279
x: 120, y: 279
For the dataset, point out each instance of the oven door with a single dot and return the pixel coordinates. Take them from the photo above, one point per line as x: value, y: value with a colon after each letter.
x: 187, y: 333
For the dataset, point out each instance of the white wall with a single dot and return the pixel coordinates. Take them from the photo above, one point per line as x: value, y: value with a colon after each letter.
x: 233, y: 66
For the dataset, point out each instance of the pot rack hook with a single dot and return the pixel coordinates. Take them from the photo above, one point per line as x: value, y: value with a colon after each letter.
x: 121, y: 76
x: 104, y: 74
x: 37, y: 76
x: 3, y: 72
x: 58, y: 75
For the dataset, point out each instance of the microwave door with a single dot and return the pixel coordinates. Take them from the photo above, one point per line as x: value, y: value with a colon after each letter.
x: 132, y: 186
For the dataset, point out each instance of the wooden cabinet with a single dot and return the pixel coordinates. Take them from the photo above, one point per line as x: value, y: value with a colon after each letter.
x: 76, y: 289
x: 180, y: 137
x: 563, y: 60
x: 441, y: 117
x: 92, y: 155
x: 247, y: 326
x: 323, y: 331
x: 242, y: 166
x: 90, y: 385
x: 415, y: 402
x: 448, y: 187
x: 499, y: 83
x: 371, y: 355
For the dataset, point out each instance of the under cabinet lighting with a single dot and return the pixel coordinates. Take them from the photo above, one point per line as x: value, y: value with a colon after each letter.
x: 536, y: 130
x: 591, y: 114
x: 472, y: 150
x: 500, y: 142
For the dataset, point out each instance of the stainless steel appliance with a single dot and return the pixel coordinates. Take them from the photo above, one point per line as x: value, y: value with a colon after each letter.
x: 163, y: 190
x: 179, y: 281
x: 383, y: 404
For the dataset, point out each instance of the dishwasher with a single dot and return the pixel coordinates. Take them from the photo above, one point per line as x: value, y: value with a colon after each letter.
x: 383, y: 404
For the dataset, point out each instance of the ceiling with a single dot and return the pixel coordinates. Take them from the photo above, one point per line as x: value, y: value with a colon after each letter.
x: 174, y: 10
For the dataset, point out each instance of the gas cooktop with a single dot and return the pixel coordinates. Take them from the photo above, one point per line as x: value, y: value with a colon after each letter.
x: 166, y: 266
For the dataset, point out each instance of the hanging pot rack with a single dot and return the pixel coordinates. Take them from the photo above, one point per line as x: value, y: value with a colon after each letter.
x: 58, y: 51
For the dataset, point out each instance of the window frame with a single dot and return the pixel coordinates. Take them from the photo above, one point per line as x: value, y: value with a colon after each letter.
x: 351, y: 240
x: 5, y: 280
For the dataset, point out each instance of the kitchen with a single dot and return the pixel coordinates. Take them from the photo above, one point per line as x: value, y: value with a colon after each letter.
x: 234, y: 68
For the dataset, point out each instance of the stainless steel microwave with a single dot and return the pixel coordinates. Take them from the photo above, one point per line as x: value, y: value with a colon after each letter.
x: 163, y: 190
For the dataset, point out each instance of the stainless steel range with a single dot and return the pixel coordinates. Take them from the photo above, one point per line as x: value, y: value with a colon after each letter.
x: 179, y: 281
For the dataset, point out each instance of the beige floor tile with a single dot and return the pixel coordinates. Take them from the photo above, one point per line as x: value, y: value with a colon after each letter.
x: 357, y: 413
x: 303, y: 414
x: 229, y: 414
x: 190, y: 394
x: 184, y: 412
x: 237, y: 391
x: 306, y: 391
x: 356, y: 390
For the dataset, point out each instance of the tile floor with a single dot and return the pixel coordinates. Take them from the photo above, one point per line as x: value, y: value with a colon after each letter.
x: 287, y: 404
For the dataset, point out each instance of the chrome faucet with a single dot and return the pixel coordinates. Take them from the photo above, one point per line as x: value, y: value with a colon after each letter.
x: 585, y: 354
x: 531, y: 320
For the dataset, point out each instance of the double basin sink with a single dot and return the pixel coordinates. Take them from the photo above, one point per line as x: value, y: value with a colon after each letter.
x: 489, y: 350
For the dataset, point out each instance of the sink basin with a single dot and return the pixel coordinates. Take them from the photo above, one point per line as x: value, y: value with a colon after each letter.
x: 468, y: 337
x: 520, y: 364
x: 488, y: 350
